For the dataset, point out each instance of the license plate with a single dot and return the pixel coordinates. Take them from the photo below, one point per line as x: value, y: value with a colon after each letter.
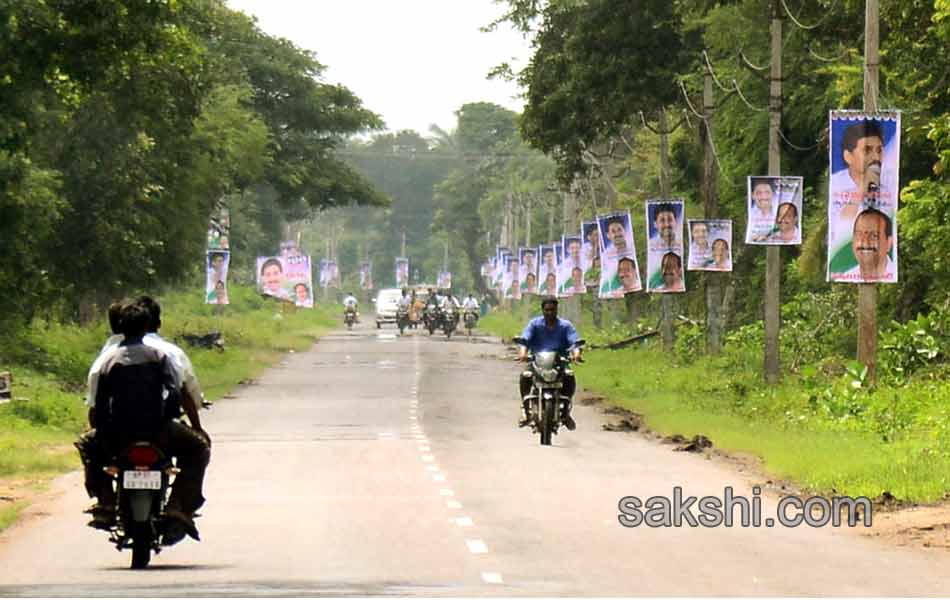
x: 142, y: 480
x: 555, y: 384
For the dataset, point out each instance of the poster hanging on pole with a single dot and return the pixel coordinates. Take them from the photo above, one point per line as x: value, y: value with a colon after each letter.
x: 862, y: 196
x: 665, y: 246
x: 402, y: 272
x: 590, y: 252
x: 570, y: 272
x: 619, y: 270
x: 444, y: 280
x: 775, y: 211
x: 528, y: 273
x: 216, y: 282
x: 710, y: 245
x: 547, y: 270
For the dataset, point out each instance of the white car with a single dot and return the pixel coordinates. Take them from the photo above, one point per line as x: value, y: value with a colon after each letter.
x: 387, y: 302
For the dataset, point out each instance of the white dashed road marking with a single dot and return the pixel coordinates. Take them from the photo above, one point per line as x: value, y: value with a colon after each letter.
x: 476, y: 546
x: 492, y: 578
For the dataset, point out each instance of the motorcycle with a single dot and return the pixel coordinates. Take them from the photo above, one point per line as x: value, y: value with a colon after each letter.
x: 432, y: 318
x: 450, y: 320
x: 349, y: 317
x: 544, y: 404
x: 402, y: 319
x: 142, y: 472
x: 470, y: 318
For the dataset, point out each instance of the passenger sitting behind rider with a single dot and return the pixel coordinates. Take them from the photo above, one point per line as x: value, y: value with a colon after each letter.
x: 190, y: 445
x: 548, y: 333
x: 350, y: 304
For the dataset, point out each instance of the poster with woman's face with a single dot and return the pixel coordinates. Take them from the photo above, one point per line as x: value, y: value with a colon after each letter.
x: 862, y: 197
x: 665, y: 268
x: 216, y: 282
x: 710, y: 245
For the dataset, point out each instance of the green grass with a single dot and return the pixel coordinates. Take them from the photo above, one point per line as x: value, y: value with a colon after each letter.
x: 809, y: 431
x: 49, y: 363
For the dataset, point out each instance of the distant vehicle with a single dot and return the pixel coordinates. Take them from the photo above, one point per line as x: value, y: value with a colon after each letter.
x: 387, y: 302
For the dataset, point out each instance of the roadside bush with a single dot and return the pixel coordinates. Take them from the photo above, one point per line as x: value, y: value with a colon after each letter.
x: 907, y: 348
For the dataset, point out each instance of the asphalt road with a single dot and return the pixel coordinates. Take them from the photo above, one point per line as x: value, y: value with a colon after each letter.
x: 381, y: 465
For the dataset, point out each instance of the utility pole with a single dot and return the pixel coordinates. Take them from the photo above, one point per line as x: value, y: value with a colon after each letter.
x: 711, y: 211
x: 527, y: 221
x: 666, y: 300
x: 867, y: 292
x: 573, y: 304
x: 402, y: 251
x: 773, y: 254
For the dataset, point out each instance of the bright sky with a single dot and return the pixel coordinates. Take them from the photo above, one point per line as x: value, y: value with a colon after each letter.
x: 414, y: 62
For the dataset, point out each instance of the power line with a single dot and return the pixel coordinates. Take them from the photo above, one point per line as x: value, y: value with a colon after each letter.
x: 795, y: 146
x: 808, y: 27
x: 713, y: 73
x: 735, y: 84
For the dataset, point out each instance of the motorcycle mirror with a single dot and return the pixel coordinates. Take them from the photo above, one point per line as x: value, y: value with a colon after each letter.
x: 580, y: 343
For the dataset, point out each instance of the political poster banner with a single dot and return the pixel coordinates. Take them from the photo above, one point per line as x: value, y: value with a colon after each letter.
x: 288, y: 278
x: 444, y: 280
x: 665, y: 246
x: 710, y: 245
x: 511, y: 286
x: 547, y: 270
x: 775, y: 209
x: 216, y: 282
x: 619, y: 270
x: 590, y: 251
x: 290, y: 248
x: 528, y: 272
x: 366, y: 275
x: 402, y: 272
x: 570, y: 272
x: 299, y: 277
x: 219, y: 229
x: 862, y: 196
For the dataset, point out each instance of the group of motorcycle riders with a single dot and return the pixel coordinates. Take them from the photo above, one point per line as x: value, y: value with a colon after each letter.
x: 140, y: 386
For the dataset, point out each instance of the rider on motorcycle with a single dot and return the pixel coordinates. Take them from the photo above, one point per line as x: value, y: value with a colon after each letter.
x: 470, y: 303
x: 114, y: 384
x: 350, y: 304
x: 449, y: 301
x: 548, y: 333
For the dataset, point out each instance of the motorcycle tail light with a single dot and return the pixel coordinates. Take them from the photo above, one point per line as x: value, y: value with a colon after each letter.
x: 142, y: 456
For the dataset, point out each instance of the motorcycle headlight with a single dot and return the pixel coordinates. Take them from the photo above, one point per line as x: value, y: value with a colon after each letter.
x: 549, y: 375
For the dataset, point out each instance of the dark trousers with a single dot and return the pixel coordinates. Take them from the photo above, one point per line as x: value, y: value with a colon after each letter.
x: 188, y: 446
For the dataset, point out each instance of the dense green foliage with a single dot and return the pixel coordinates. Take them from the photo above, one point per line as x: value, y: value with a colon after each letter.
x: 122, y: 123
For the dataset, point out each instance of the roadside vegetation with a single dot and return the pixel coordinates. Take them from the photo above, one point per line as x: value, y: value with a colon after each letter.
x: 49, y: 362
x: 825, y: 428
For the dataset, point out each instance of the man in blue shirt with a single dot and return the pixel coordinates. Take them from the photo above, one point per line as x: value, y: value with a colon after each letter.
x: 548, y: 333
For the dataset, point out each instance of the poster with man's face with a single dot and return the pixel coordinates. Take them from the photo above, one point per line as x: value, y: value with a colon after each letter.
x: 862, y: 197
x: 299, y: 279
x: 444, y: 280
x: 528, y: 274
x: 775, y: 211
x: 616, y: 235
x: 570, y: 278
x: 619, y: 269
x: 547, y: 270
x: 366, y: 275
x: 665, y: 268
x: 216, y: 283
x: 590, y: 250
x: 710, y: 245
x: 219, y: 229
x: 288, y: 278
x: 499, y: 274
x: 511, y: 286
x: 402, y: 272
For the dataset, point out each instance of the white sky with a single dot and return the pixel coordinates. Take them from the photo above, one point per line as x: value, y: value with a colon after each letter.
x: 414, y: 62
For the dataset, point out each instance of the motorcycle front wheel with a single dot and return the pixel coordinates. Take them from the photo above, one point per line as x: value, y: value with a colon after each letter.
x: 548, y: 414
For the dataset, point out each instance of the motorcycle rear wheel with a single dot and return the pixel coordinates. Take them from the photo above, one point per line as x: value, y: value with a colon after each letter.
x: 141, y: 544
